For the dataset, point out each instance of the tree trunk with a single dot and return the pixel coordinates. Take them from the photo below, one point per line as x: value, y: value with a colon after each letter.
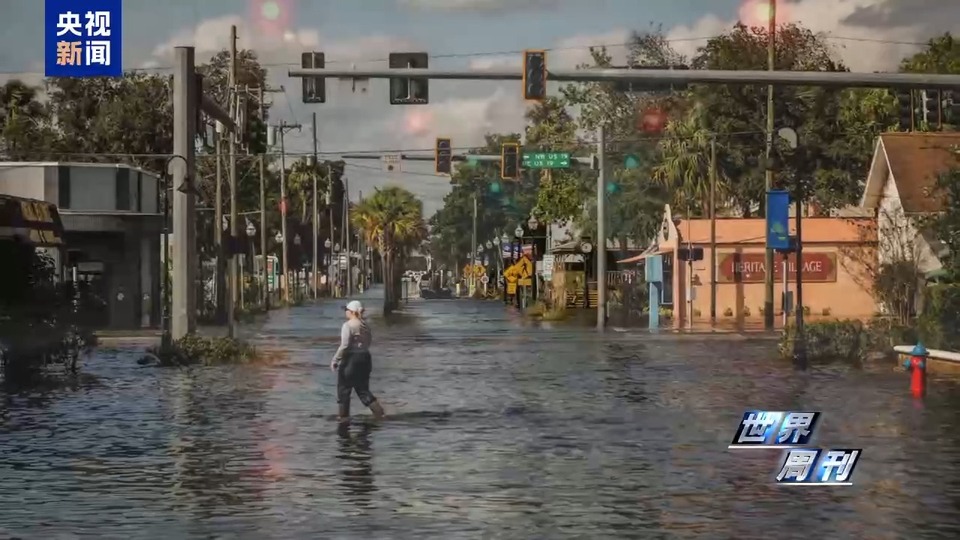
x: 388, y: 282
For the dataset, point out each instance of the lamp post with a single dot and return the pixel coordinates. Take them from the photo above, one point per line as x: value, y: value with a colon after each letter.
x: 327, y: 244
x: 296, y: 273
x: 278, y: 238
x: 251, y: 232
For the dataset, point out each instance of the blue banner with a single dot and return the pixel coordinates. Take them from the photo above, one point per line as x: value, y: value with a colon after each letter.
x: 83, y: 39
x: 778, y: 219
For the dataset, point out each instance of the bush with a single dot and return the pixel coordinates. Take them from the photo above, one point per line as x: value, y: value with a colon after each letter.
x: 828, y: 340
x: 728, y: 312
x: 848, y: 340
x: 939, y: 325
x: 746, y: 311
x: 42, y: 323
x: 825, y: 312
x: 197, y: 350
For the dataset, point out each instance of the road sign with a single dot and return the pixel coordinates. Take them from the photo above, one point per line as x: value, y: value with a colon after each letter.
x: 778, y: 219
x: 546, y: 160
x: 484, y: 279
x: 391, y: 162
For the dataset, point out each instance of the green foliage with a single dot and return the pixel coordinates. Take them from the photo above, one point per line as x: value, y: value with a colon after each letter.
x: 946, y: 225
x: 192, y: 350
x: 42, y: 323
x: 939, y: 325
x: 848, y: 340
x: 392, y: 220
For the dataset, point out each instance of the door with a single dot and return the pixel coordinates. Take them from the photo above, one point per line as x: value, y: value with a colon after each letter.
x: 91, y: 281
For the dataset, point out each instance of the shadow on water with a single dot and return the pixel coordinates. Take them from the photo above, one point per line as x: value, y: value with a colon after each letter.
x: 497, y: 427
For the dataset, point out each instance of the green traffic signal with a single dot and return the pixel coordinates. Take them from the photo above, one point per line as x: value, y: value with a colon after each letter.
x: 495, y: 187
x: 631, y: 162
x: 612, y: 187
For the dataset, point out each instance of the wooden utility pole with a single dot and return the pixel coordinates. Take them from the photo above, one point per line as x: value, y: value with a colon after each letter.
x: 315, y: 269
x: 234, y: 230
x: 771, y: 127
x: 221, y: 266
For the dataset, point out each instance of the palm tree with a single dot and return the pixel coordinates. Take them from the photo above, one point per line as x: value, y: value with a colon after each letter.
x: 391, y: 219
x: 684, y: 168
x: 300, y: 185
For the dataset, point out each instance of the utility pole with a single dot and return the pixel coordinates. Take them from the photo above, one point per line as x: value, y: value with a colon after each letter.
x: 234, y: 230
x: 220, y: 282
x: 601, y: 249
x: 264, y: 281
x: 771, y: 126
x: 283, y: 128
x: 713, y: 229
x: 316, y: 225
x: 183, y: 293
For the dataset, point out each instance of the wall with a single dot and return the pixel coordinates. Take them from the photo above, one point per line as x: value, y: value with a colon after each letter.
x: 23, y: 181
x: 899, y: 238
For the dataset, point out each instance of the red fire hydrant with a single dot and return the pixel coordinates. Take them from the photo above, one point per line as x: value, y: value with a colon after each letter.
x: 917, y: 366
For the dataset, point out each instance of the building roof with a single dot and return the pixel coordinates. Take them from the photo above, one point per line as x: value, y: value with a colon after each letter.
x: 75, y: 164
x: 816, y: 230
x: 913, y: 160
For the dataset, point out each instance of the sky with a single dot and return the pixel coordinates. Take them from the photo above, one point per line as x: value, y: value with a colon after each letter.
x: 869, y: 35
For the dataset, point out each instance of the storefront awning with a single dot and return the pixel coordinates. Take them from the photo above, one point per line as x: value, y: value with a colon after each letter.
x: 650, y: 252
x: 27, y: 220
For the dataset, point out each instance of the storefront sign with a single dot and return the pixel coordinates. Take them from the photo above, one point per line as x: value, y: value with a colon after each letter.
x: 818, y: 267
x: 35, y: 222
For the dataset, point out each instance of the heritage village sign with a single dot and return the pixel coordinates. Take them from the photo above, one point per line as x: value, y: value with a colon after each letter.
x: 733, y: 267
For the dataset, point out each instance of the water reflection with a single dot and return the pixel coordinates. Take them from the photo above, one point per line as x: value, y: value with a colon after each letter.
x: 355, y: 451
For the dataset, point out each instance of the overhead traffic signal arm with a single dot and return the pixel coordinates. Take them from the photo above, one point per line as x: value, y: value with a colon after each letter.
x: 535, y: 75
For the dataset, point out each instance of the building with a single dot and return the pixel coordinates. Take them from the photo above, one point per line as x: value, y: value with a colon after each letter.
x: 112, y: 223
x: 837, y: 269
x: 900, y: 191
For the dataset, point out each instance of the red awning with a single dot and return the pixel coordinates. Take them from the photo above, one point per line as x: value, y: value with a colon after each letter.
x: 645, y: 255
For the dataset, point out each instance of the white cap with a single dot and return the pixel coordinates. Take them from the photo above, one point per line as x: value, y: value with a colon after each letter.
x: 354, y: 306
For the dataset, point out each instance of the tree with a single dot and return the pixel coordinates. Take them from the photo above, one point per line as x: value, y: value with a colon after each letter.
x: 634, y: 203
x: 820, y: 166
x: 26, y: 132
x: 392, y: 219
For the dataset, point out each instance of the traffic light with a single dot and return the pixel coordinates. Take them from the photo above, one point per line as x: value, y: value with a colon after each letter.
x: 930, y: 104
x: 951, y: 107
x: 535, y: 75
x: 443, y: 157
x: 409, y: 91
x: 314, y: 88
x: 905, y: 108
x: 510, y: 161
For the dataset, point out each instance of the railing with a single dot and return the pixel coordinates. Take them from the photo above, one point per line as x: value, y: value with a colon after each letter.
x: 621, y: 277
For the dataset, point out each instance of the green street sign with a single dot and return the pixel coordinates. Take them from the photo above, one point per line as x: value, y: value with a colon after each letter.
x: 546, y: 160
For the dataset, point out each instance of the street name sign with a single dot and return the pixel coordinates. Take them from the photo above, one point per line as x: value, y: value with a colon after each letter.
x: 546, y: 160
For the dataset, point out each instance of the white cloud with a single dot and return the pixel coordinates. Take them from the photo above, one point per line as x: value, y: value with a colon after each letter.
x: 863, y: 45
x: 488, y: 6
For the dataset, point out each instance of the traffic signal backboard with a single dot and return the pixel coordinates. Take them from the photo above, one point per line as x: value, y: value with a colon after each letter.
x: 443, y: 156
x: 314, y: 88
x: 510, y: 161
x: 409, y: 91
x: 535, y: 75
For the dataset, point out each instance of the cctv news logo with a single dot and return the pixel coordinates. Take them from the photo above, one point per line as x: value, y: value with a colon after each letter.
x: 793, y: 431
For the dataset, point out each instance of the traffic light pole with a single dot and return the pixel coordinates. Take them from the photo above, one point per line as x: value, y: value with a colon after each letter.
x: 660, y: 76
x: 601, y: 249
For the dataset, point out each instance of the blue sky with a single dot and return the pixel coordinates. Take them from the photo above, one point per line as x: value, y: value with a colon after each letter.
x: 363, y: 30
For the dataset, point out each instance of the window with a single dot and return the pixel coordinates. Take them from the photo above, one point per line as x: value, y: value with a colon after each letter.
x: 63, y: 187
x: 123, y: 188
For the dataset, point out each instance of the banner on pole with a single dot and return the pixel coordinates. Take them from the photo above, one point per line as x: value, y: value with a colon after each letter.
x: 778, y: 219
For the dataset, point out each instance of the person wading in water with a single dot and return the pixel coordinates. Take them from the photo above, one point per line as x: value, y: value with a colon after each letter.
x: 352, y: 363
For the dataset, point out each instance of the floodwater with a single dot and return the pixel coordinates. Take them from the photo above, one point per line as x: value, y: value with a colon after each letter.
x: 501, y: 428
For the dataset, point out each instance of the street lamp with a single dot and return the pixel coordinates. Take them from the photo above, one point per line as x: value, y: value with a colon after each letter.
x: 518, y: 232
x: 251, y: 229
x: 504, y: 239
x: 489, y: 244
x: 327, y: 243
x: 279, y: 237
x: 296, y: 240
x: 532, y: 223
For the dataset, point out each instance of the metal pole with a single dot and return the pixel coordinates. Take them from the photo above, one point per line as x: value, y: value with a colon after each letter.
x: 219, y: 281
x: 786, y: 281
x: 771, y: 126
x: 346, y: 230
x: 316, y: 225
x: 713, y: 230
x: 167, y: 267
x: 264, y: 281
x: 601, y: 250
x: 283, y: 213
x: 473, y: 250
x: 333, y: 290
x: 799, y: 347
x: 184, y: 296
x: 659, y: 76
x: 234, y: 230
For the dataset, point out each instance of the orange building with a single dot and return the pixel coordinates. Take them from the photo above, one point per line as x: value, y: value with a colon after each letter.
x: 838, y: 255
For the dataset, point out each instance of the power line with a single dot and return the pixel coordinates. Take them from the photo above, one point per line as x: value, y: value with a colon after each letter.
x: 479, y: 54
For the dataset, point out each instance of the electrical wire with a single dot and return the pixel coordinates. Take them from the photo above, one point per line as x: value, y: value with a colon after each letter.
x: 478, y: 54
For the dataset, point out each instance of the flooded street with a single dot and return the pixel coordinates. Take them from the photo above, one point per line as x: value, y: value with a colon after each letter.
x: 501, y: 428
